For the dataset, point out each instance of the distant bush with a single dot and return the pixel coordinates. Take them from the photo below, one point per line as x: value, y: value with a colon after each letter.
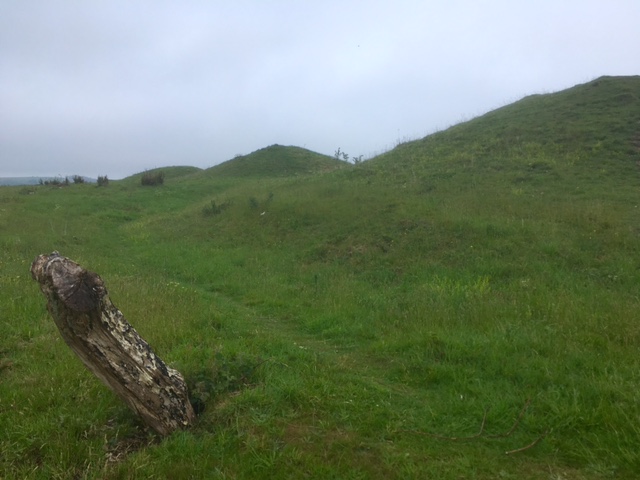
x: 340, y: 155
x: 103, y: 181
x: 153, y: 179
x: 215, y: 208
x: 56, y: 182
x: 77, y: 179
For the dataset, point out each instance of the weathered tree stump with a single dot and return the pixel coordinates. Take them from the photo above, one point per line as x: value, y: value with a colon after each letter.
x: 109, y: 346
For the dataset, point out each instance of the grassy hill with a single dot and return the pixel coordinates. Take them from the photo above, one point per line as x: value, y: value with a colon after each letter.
x: 416, y: 316
x: 170, y: 173
x: 585, y: 129
x: 277, y: 161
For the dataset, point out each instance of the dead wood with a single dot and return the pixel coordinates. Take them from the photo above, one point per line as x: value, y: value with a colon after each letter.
x: 515, y: 424
x: 527, y: 447
x: 109, y: 346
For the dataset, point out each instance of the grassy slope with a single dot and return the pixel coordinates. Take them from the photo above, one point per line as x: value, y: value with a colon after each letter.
x: 330, y: 322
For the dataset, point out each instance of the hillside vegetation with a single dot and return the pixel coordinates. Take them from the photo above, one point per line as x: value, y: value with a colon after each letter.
x: 462, y: 306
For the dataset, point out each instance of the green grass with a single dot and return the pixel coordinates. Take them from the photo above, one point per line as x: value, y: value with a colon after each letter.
x: 351, y: 322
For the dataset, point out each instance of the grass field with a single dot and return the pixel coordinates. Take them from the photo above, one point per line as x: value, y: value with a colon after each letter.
x: 463, y: 306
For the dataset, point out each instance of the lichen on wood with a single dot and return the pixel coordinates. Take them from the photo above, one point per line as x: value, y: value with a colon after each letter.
x: 109, y: 346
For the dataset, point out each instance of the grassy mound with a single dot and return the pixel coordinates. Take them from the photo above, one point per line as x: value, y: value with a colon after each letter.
x: 277, y: 161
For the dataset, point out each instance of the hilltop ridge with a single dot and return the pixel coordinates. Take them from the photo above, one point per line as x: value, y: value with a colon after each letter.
x: 277, y: 160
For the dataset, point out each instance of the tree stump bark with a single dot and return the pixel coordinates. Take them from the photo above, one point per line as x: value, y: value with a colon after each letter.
x: 109, y: 346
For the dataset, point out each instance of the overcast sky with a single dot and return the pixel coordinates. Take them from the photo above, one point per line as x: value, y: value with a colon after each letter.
x: 114, y: 87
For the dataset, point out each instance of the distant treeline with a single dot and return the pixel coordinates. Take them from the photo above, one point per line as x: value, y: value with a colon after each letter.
x: 17, y: 181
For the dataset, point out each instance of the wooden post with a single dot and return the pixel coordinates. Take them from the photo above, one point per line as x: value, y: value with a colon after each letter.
x: 109, y: 346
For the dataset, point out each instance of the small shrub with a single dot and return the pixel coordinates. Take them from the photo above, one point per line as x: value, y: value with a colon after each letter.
x: 340, y: 155
x: 103, y: 181
x: 215, y: 208
x: 153, y: 178
x: 56, y: 182
x: 77, y: 179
